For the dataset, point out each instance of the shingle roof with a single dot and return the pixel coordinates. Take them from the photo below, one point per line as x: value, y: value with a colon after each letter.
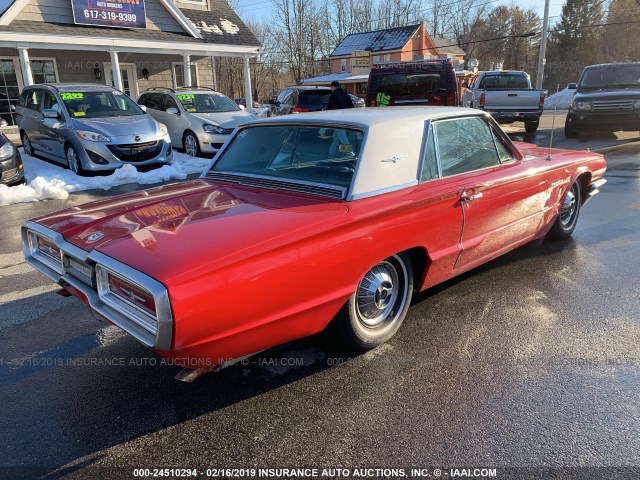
x: 378, y: 41
x: 221, y: 25
x: 444, y: 45
x: 25, y: 26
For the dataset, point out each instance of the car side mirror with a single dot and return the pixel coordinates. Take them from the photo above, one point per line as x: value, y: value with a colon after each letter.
x: 277, y: 104
x: 143, y: 107
x: 572, y: 86
x: 172, y: 111
x: 50, y: 113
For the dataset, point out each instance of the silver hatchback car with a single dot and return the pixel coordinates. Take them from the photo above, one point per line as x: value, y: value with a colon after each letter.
x: 199, y: 119
x: 89, y: 127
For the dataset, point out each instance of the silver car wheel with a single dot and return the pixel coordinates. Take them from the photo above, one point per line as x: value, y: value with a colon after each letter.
x: 378, y: 294
x: 26, y: 145
x: 569, y: 208
x: 73, y: 160
x: 191, y: 145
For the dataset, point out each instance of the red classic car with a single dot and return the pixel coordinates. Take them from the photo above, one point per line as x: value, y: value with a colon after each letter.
x: 334, y: 216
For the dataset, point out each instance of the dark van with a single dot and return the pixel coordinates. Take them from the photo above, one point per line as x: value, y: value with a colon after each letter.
x: 416, y: 82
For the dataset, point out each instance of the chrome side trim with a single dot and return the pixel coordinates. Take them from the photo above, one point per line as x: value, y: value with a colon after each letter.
x: 594, y: 189
x: 112, y: 310
x: 380, y: 191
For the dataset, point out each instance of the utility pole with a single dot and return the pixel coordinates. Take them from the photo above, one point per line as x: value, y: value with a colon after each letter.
x: 543, y: 46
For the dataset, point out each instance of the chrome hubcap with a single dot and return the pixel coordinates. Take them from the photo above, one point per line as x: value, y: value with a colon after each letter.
x: 26, y: 144
x: 191, y: 145
x: 568, y: 210
x: 377, y: 294
x: 72, y: 160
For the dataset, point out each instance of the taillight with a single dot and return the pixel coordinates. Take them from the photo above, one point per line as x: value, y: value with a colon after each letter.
x: 451, y: 99
x: 372, y: 102
x: 541, y: 100
x: 481, y: 100
x: 132, y: 294
x: 299, y: 109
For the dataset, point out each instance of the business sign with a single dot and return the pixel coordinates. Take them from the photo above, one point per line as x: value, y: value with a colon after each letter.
x: 119, y: 13
x: 360, y: 58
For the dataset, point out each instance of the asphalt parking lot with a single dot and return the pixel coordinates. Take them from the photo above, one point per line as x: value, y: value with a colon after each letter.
x: 531, y: 361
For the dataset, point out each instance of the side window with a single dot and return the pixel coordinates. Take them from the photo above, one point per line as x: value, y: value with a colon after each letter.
x: 142, y: 100
x: 503, y: 152
x: 34, y: 100
x: 23, y: 98
x: 429, y: 162
x: 169, y: 102
x: 154, y: 101
x: 465, y: 145
x: 282, y: 95
x: 51, y: 102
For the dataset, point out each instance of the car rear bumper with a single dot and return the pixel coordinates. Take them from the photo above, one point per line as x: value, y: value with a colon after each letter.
x: 606, y: 121
x: 502, y: 116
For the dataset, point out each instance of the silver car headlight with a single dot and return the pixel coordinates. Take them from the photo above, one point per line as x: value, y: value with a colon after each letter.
x: 92, y: 136
x: 581, y: 105
x: 637, y: 104
x: 163, y: 131
x: 208, y: 128
x: 7, y: 151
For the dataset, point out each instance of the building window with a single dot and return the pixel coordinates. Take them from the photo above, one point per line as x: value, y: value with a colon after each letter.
x: 9, y: 90
x: 44, y: 71
x: 361, y: 88
x: 197, y: 2
x: 376, y: 59
x: 343, y: 65
x: 178, y: 75
x: 387, y: 58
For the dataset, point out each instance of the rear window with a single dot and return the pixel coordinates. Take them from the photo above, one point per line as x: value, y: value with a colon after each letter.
x: 504, y: 81
x: 314, y: 97
x: 401, y: 84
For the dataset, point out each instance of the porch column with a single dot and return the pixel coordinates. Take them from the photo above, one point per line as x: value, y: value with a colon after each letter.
x: 115, y: 70
x: 187, y: 70
x: 247, y: 85
x: 25, y: 66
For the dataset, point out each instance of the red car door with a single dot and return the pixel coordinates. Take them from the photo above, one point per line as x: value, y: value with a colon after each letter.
x: 502, y: 198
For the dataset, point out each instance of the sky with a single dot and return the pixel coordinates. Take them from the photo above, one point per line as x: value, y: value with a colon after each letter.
x: 260, y: 11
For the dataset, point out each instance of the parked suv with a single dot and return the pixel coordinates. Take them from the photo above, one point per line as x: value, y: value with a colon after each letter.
x: 416, y: 82
x: 302, y: 99
x: 607, y: 98
x: 199, y: 119
x: 89, y: 128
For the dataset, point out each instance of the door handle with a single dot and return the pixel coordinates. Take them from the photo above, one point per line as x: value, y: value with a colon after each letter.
x: 470, y: 194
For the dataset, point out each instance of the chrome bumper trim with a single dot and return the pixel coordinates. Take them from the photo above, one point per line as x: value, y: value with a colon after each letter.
x: 164, y: 332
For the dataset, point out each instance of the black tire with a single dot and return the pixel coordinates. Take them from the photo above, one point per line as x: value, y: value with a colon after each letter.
x: 191, y: 144
x: 567, y: 219
x: 570, y: 130
x: 27, y: 146
x: 531, y: 127
x: 374, y: 313
x: 73, y: 160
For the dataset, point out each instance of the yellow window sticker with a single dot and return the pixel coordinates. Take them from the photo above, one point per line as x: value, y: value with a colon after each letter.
x: 191, y: 109
x: 71, y: 95
x: 186, y: 96
x: 79, y: 114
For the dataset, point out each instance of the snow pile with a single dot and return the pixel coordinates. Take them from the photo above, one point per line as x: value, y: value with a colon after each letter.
x: 562, y: 99
x: 47, y: 180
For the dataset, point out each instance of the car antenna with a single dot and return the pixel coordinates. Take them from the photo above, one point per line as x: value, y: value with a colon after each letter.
x: 553, y: 124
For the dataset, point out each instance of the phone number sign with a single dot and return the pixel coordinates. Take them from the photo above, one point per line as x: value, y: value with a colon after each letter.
x: 103, y: 13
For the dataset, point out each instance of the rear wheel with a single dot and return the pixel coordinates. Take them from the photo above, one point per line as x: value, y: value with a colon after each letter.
x: 531, y: 127
x: 26, y: 144
x: 376, y: 310
x: 567, y: 220
x: 191, y: 144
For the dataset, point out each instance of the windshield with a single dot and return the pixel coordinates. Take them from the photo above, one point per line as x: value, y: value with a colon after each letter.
x: 99, y: 104
x: 611, y: 76
x: 207, y: 103
x: 309, y: 153
x: 504, y: 82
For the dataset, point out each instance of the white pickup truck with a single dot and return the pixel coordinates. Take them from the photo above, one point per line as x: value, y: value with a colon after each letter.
x: 507, y: 95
